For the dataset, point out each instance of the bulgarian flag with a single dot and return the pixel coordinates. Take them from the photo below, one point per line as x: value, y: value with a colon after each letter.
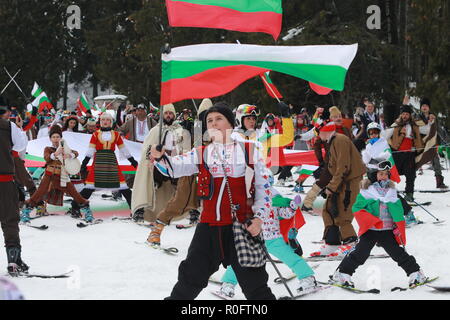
x: 270, y: 87
x: 319, y: 89
x: 41, y: 99
x: 83, y: 103
x: 306, y: 171
x: 211, y: 70
x: 238, y: 15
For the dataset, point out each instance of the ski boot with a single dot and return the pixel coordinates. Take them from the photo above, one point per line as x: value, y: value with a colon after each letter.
x: 417, y: 278
x: 298, y: 189
x: 88, y: 215
x: 410, y: 219
x: 116, y: 195
x: 155, y: 235
x: 306, y: 285
x: 325, y: 250
x: 41, y: 210
x: 227, y: 290
x: 25, y: 215
x: 345, y: 248
x: 15, y: 264
x: 194, y: 216
x: 138, y: 215
x: 342, y: 279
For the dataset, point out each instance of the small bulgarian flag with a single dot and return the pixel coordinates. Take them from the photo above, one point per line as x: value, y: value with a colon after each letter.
x: 83, y: 103
x: 211, y: 70
x: 238, y: 15
x: 41, y: 99
x: 270, y: 87
x: 306, y: 171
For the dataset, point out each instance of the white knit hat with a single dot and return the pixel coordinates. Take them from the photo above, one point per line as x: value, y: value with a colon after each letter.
x: 169, y: 107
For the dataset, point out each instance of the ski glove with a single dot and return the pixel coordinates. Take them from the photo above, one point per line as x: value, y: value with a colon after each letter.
x: 133, y: 162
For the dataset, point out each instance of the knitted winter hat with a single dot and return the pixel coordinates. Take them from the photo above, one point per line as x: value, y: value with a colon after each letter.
x: 334, y: 111
x: 223, y: 108
x: 55, y: 129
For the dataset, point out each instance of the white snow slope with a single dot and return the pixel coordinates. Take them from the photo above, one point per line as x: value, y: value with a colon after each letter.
x: 108, y: 264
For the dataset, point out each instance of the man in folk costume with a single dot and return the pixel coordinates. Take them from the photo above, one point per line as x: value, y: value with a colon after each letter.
x: 406, y: 142
x: 176, y: 141
x: 105, y: 173
x: 428, y: 126
x: 346, y: 168
x: 323, y: 176
x: 56, y: 181
x: 22, y: 175
x: 12, y: 138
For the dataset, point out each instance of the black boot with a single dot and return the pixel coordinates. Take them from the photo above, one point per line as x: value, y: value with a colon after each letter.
x: 194, y: 216
x: 138, y: 215
x: 440, y: 182
x: 15, y: 264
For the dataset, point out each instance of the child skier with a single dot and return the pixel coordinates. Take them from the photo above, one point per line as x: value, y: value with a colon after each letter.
x: 379, y: 214
x: 282, y: 208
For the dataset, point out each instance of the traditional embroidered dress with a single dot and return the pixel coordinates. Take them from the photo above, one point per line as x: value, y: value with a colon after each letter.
x: 105, y: 173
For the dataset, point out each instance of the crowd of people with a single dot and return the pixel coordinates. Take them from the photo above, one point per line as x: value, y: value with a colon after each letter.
x: 212, y: 165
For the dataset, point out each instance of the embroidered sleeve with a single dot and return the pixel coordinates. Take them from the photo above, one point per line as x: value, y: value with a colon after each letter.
x: 263, y: 196
x: 184, y: 165
x: 285, y: 212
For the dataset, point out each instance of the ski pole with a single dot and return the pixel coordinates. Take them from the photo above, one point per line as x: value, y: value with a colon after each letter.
x: 18, y: 87
x: 419, y: 205
x: 11, y: 80
x: 283, y: 280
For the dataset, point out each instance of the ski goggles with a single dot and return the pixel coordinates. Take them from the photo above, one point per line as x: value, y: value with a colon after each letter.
x: 384, y: 165
x: 250, y: 111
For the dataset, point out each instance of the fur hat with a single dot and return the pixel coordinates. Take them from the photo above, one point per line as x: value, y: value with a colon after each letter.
x: 169, y: 107
x: 334, y: 111
x: 205, y: 105
x: 55, y: 129
x: 406, y: 108
x: 425, y: 101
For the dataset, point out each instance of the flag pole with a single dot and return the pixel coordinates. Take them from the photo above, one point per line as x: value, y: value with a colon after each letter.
x: 265, y: 81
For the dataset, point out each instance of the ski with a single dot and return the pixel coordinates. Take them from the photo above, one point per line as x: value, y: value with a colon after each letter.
x: 339, y: 258
x: 440, y: 288
x: 185, y: 226
x: 413, y: 204
x: 44, y: 215
x: 315, y: 290
x: 348, y: 288
x: 434, y: 191
x: 291, y: 276
x: 429, y: 280
x: 42, y: 227
x: 130, y: 220
x: 220, y: 295
x: 414, y: 224
x: 168, y: 250
x: 87, y: 224
x: 42, y: 276
x: 214, y: 281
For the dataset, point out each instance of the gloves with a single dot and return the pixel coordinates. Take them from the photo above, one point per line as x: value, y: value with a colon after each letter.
x: 285, y: 111
x: 293, y: 242
x: 133, y: 162
x: 333, y: 207
x: 34, y: 111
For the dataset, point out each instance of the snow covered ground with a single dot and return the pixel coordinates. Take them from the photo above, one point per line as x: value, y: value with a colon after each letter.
x: 108, y: 264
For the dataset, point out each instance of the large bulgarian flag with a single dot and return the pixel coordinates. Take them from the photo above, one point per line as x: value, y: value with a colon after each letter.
x: 211, y: 70
x: 41, y: 99
x: 237, y: 15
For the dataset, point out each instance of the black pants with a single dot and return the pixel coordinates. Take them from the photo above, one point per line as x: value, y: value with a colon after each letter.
x: 9, y: 213
x: 211, y: 246
x: 285, y: 172
x: 406, y: 165
x: 386, y: 240
x: 87, y: 193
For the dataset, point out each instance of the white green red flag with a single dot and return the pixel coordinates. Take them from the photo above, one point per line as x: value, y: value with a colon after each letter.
x: 238, y: 15
x: 306, y: 171
x: 270, y: 87
x: 211, y: 70
x: 83, y: 103
x: 41, y: 100
x: 319, y: 89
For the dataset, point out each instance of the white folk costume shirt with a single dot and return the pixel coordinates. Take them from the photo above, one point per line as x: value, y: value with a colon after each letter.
x: 233, y: 157
x: 19, y: 138
x: 141, y: 130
